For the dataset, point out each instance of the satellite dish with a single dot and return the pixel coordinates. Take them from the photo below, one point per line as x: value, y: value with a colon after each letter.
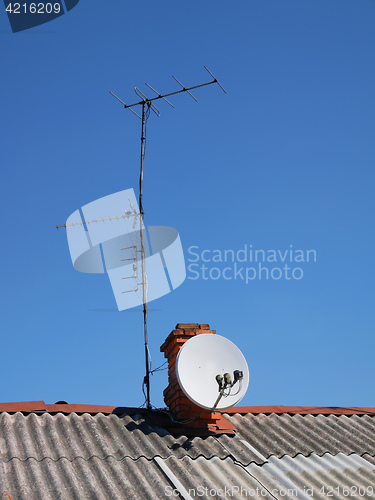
x: 209, y: 369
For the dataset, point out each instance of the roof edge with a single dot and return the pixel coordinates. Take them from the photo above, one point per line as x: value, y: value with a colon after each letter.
x: 302, y: 410
x: 42, y: 407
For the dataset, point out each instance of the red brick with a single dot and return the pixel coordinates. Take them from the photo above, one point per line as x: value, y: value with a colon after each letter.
x: 185, y: 326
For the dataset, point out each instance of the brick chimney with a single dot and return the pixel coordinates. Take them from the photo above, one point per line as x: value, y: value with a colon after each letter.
x: 179, y: 405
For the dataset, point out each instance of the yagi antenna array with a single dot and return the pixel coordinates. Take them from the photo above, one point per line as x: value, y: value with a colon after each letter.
x: 127, y: 216
x: 149, y: 101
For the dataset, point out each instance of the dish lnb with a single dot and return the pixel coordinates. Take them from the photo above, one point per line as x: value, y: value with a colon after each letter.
x: 204, y: 366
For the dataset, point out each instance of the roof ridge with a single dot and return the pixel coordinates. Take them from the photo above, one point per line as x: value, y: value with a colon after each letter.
x: 87, y: 459
x: 302, y: 410
x: 170, y: 456
x: 41, y: 407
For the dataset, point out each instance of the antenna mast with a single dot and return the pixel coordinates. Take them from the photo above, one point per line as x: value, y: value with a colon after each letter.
x: 147, y: 105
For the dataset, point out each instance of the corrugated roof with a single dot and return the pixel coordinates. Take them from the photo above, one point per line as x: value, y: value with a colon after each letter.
x: 339, y: 476
x: 85, y: 436
x: 292, y: 434
x: 97, y: 456
x: 369, y: 458
x: 83, y: 479
x: 158, y: 478
x: 141, y: 479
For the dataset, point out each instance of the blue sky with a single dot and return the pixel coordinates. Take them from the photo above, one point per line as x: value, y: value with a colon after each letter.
x: 286, y: 157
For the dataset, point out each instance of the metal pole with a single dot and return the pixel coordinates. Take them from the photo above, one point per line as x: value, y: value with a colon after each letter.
x: 144, y: 277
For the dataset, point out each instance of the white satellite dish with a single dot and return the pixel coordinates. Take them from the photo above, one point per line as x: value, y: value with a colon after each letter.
x: 201, y: 360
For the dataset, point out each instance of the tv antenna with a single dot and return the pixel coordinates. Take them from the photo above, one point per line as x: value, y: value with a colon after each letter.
x: 147, y: 104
